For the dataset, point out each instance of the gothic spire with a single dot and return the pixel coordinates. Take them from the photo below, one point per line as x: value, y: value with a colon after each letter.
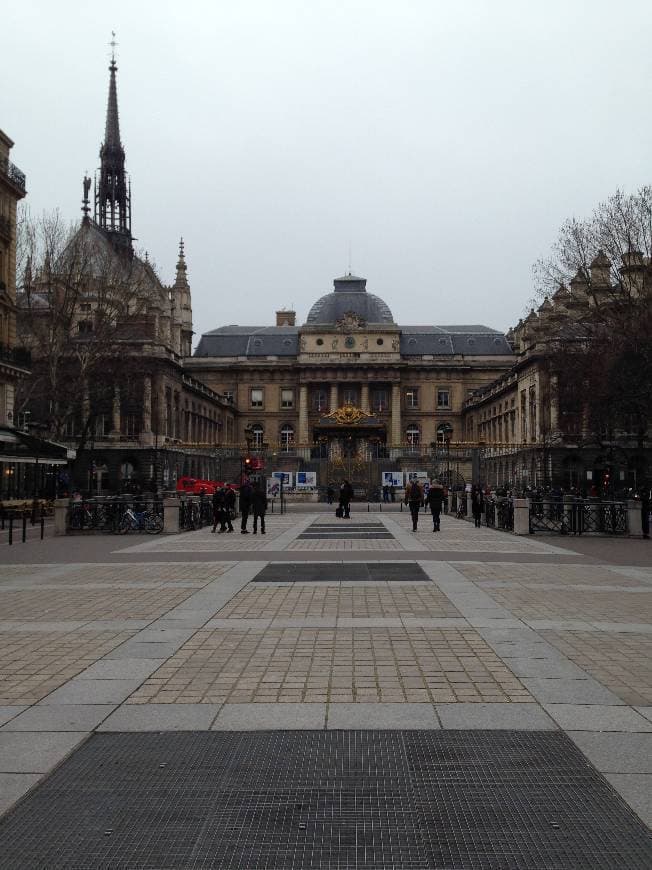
x: 112, y: 194
x: 181, y: 282
x: 112, y: 130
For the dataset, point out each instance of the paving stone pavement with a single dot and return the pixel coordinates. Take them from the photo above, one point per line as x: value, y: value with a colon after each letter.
x: 527, y: 641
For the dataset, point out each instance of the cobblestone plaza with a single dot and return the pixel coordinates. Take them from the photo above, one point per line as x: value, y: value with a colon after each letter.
x: 359, y: 629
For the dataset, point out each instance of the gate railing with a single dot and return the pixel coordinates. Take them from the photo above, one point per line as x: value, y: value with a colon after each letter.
x: 578, y: 517
x: 105, y: 514
x: 195, y: 513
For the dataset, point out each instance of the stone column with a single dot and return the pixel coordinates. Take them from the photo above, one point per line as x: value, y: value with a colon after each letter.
x: 334, y: 400
x: 396, y: 415
x: 86, y: 403
x: 147, y: 403
x: 115, y: 432
x: 364, y: 398
x: 554, y: 405
x: 521, y: 516
x: 303, y: 414
x: 634, y: 519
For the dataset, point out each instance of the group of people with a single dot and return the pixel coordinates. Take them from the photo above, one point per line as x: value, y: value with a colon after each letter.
x: 415, y: 499
x: 434, y: 498
x: 253, y: 499
x: 389, y: 493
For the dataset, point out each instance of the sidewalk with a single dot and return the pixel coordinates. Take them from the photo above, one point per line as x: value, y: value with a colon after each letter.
x: 113, y: 645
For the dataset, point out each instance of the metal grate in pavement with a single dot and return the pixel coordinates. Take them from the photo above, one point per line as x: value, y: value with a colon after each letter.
x: 325, y: 799
x: 345, y: 536
x: 340, y: 572
x: 346, y: 530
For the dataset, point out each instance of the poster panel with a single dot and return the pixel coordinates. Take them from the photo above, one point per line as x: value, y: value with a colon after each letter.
x: 392, y: 478
x: 306, y: 479
x: 285, y: 476
x: 420, y: 476
x: 273, y: 488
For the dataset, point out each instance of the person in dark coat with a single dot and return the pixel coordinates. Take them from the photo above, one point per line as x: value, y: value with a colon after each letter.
x: 218, y: 510
x: 414, y: 500
x: 229, y: 509
x: 330, y: 494
x: 386, y: 493
x: 346, y: 496
x: 477, y: 504
x: 246, y: 494
x: 259, y: 505
x: 434, y: 501
x: 392, y: 492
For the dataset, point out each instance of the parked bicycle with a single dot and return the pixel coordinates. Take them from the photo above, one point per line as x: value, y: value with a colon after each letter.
x: 140, y: 521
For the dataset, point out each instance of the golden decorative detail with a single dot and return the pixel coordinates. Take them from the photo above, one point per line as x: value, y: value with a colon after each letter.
x: 348, y: 415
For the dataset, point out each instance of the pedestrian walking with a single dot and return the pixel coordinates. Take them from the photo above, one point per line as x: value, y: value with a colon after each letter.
x: 434, y: 501
x: 477, y: 504
x: 392, y: 492
x: 246, y: 494
x: 218, y: 508
x: 386, y: 493
x: 346, y: 496
x: 330, y: 493
x: 414, y: 500
x: 259, y: 505
x: 229, y: 509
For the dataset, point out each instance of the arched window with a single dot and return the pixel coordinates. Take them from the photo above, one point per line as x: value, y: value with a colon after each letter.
x: 444, y: 433
x: 413, y: 435
x: 287, y: 437
x: 257, y: 433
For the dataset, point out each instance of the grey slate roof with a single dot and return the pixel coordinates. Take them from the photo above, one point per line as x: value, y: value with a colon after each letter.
x: 283, y: 341
x: 250, y: 341
x: 333, y: 306
x: 350, y: 295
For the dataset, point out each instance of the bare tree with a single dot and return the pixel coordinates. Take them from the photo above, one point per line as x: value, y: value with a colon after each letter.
x: 81, y: 305
x: 600, y: 274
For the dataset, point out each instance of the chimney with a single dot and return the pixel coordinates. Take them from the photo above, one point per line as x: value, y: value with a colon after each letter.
x: 286, y: 318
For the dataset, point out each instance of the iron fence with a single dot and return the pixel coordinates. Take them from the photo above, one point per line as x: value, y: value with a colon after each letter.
x: 195, y: 513
x: 108, y: 515
x: 579, y: 517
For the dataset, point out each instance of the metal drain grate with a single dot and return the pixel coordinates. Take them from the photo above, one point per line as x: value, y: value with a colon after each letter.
x: 347, y: 530
x: 325, y: 799
x: 340, y: 572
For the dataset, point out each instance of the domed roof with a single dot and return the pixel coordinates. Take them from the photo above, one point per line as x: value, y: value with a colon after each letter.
x: 350, y: 296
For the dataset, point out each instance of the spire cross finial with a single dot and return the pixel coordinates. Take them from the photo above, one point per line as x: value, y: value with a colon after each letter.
x: 113, y: 45
x: 181, y: 248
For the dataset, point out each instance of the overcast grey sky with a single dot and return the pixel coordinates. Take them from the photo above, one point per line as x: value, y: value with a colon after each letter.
x: 445, y: 142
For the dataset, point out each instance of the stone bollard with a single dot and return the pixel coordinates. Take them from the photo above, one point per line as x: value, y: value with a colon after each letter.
x: 521, y: 516
x: 61, y: 516
x: 170, y: 516
x: 634, y: 519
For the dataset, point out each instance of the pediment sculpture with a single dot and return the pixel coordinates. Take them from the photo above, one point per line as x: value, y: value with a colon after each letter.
x: 351, y: 322
x: 348, y: 415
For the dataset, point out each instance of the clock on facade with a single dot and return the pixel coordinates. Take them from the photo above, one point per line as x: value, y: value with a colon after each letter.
x: 349, y: 341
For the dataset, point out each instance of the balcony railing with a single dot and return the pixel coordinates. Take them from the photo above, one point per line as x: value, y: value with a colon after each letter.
x: 18, y: 356
x: 13, y: 173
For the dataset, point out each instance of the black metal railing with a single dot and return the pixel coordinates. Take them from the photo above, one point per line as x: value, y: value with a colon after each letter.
x: 578, y: 517
x: 195, y: 514
x: 14, y: 522
x: 13, y: 173
x: 19, y: 356
x: 110, y: 515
